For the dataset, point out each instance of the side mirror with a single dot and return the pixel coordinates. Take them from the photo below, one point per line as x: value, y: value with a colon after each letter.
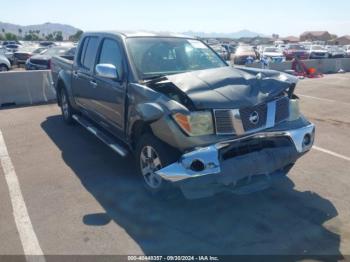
x: 107, y: 71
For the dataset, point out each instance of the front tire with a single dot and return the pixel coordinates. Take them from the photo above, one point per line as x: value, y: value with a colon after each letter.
x: 152, y: 155
x: 66, y: 108
x: 3, y: 68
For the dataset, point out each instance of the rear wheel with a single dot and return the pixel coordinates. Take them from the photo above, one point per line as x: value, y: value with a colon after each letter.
x: 66, y: 108
x: 3, y: 68
x: 152, y: 155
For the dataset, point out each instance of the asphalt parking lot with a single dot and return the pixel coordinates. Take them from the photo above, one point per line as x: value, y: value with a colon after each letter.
x: 82, y: 198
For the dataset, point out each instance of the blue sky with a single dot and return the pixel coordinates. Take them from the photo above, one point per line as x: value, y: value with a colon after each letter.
x: 290, y: 17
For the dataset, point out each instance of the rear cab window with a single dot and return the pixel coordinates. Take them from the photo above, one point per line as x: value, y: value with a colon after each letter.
x: 88, y: 53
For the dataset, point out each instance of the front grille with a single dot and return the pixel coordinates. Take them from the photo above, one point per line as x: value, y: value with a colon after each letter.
x: 320, y: 54
x: 224, y: 118
x: 246, y: 116
x: 224, y: 121
x: 247, y: 148
x: 39, y: 62
x: 282, y: 109
x: 253, y: 145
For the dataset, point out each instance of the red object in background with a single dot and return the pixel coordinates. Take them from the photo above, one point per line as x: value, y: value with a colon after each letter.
x: 312, y: 71
x: 301, y: 69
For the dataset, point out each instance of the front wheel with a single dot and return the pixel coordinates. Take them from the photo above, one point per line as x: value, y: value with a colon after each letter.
x: 152, y: 155
x: 3, y: 68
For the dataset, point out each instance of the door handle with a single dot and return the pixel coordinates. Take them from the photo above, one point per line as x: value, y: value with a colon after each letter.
x: 93, y: 83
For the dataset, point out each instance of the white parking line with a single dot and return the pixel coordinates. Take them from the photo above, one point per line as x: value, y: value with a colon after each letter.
x: 331, y: 153
x: 323, y: 99
x: 25, y: 229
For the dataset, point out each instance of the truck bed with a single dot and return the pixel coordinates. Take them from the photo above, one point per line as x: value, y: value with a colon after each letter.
x: 59, y: 63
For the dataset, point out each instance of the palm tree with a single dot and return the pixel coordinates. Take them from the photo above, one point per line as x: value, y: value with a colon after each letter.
x: 20, y: 32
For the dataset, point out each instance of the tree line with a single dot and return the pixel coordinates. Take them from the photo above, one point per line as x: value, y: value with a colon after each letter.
x: 36, y: 35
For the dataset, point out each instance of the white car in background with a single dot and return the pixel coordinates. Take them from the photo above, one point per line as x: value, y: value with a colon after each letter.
x: 5, y: 64
x: 5, y: 52
x: 347, y: 50
x: 317, y: 52
x: 281, y: 46
x: 273, y: 54
x: 336, y: 51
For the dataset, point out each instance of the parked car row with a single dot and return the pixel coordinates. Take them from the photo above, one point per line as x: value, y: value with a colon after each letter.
x: 33, y: 55
x: 37, y: 55
x: 245, y: 54
x: 42, y: 61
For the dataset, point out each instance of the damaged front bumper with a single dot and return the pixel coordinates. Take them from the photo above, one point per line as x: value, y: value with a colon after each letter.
x: 228, y: 162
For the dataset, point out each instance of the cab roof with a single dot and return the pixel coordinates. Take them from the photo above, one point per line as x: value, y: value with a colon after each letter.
x: 128, y: 34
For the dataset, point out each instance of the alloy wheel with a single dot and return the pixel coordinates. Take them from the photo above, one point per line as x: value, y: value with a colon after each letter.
x: 150, y: 163
x: 64, y: 105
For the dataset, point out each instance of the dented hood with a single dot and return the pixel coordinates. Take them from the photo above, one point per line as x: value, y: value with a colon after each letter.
x: 229, y: 87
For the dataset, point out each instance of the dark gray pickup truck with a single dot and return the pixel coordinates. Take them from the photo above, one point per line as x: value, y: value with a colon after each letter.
x: 192, y: 121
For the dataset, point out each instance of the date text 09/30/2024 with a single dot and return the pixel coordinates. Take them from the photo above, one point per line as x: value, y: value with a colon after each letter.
x: 173, y: 258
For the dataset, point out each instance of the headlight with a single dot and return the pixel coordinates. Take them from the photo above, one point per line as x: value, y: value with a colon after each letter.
x: 294, y: 111
x: 196, y: 123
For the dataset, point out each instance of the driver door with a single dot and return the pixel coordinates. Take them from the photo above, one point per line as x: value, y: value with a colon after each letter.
x: 109, y: 97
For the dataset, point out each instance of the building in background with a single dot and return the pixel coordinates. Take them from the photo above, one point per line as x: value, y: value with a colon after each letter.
x: 291, y: 39
x: 343, y: 40
x: 316, y: 36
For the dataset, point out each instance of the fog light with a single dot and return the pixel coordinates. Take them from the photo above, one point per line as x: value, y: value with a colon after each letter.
x: 307, y: 140
x: 197, y: 165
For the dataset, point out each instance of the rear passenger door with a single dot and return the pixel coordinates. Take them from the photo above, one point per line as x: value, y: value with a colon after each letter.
x: 83, y: 83
x: 110, y: 94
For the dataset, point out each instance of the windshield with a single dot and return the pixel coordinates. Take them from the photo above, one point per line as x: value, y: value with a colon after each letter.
x: 245, y: 49
x: 39, y: 50
x: 318, y: 47
x: 27, y: 49
x: 297, y: 47
x: 153, y: 57
x: 56, y: 51
x: 271, y: 49
x: 12, y: 46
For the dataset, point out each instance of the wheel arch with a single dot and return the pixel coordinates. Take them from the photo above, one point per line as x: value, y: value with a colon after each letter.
x: 63, y: 82
x: 139, y: 127
x: 4, y: 64
x: 59, y: 86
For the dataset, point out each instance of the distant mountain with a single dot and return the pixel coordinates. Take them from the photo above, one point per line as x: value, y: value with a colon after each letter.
x: 68, y: 30
x: 236, y: 35
x: 46, y: 28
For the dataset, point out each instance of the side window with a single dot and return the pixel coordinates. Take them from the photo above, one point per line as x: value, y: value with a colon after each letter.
x: 111, y: 54
x: 90, y: 53
x: 83, y: 50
